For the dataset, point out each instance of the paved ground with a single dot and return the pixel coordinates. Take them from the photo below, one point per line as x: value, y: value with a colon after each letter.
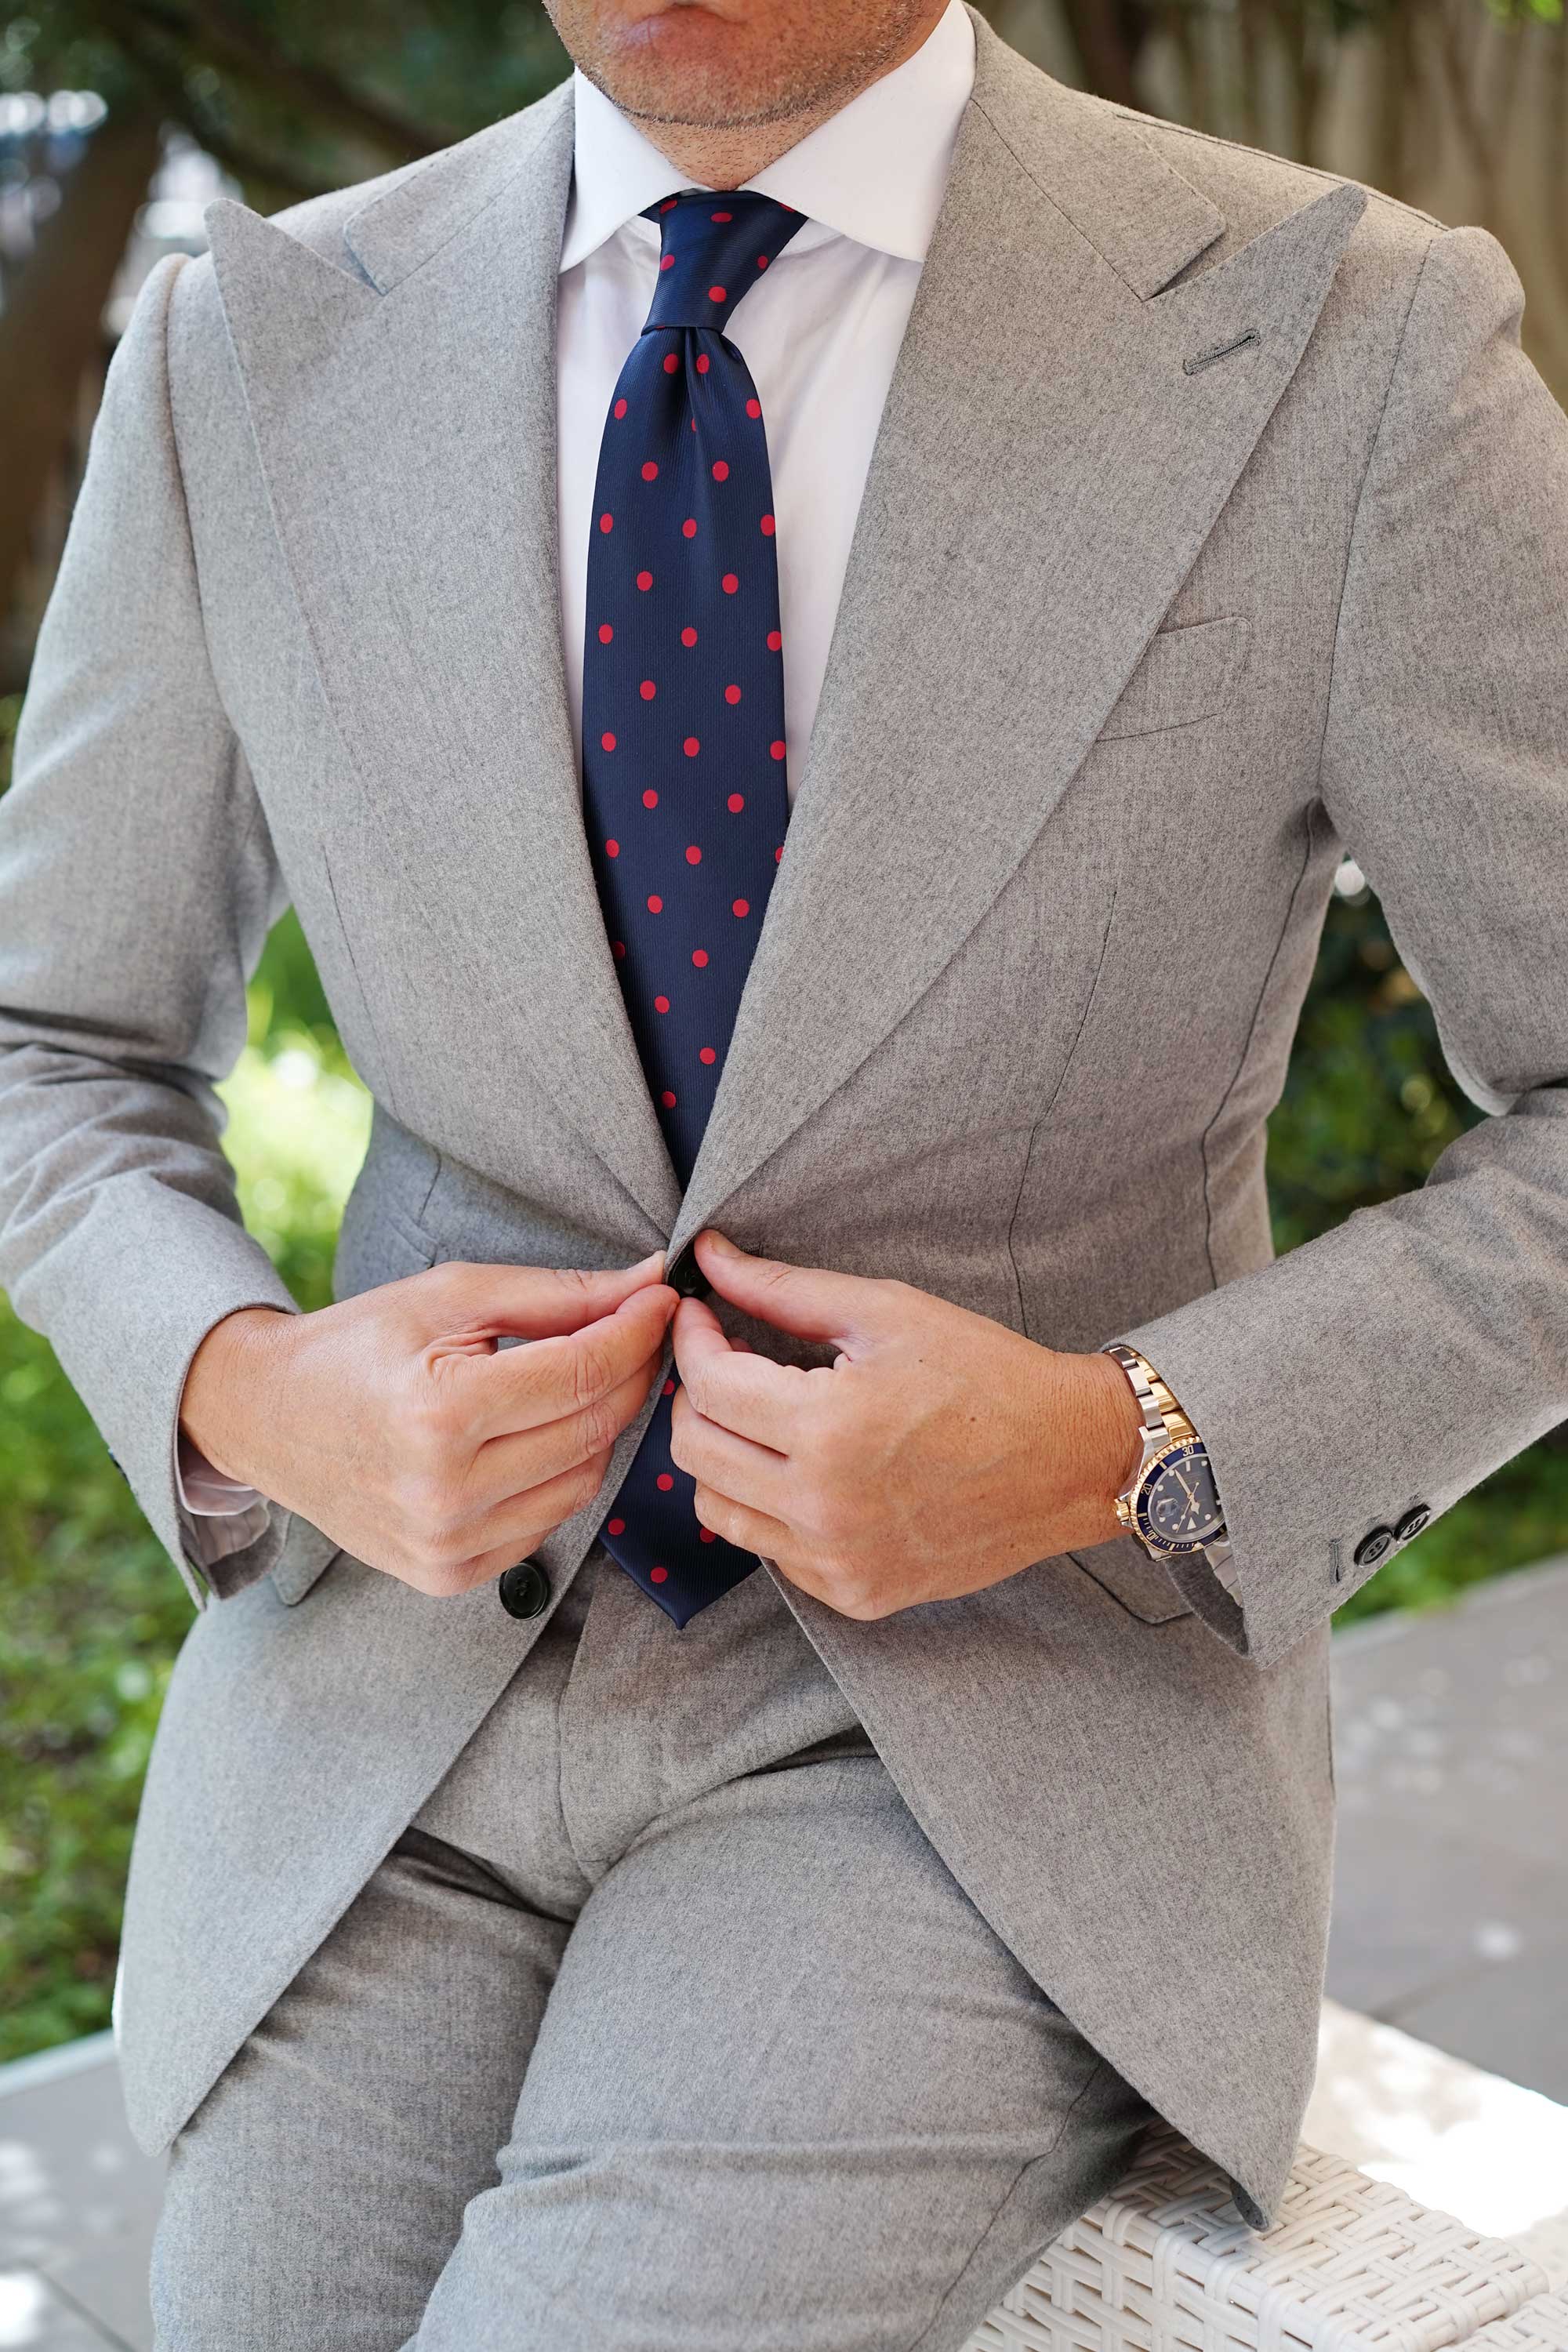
x: 1451, y: 1890
x: 1451, y: 1922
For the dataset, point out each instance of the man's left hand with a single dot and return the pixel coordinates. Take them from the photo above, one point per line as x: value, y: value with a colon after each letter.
x: 938, y: 1454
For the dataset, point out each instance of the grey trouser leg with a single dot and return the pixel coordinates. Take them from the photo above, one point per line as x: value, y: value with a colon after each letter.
x: 663, y: 2030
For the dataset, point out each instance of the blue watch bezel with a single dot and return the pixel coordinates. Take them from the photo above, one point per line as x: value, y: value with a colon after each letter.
x: 1179, y: 1449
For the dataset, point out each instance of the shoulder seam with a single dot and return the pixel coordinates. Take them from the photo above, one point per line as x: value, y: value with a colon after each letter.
x: 184, y: 260
x: 1417, y: 278
x: 1239, y: 147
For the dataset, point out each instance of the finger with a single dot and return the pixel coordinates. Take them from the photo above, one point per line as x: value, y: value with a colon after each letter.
x: 809, y: 1301
x: 733, y: 1465
x: 517, y: 1527
x: 740, y: 1524
x: 534, y: 1302
x: 517, y: 1461
x: 750, y: 1394
x: 523, y: 1388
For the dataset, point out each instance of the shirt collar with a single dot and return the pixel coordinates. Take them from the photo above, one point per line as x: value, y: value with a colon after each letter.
x: 875, y: 170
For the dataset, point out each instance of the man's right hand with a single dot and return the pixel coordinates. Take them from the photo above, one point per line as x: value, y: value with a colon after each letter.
x: 395, y: 1423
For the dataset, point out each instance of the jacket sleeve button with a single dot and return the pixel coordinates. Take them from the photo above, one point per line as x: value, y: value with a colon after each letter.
x: 524, y: 1590
x: 1373, y: 1545
x: 1413, y: 1522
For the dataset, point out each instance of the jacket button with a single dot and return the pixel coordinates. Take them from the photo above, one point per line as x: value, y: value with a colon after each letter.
x: 1373, y: 1545
x: 686, y: 1276
x: 1413, y: 1522
x: 524, y: 1590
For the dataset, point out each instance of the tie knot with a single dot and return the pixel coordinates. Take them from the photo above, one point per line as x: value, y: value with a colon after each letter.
x: 713, y: 247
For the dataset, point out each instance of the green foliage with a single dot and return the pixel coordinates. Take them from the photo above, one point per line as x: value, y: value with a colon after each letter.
x: 290, y: 96
x: 1369, y: 1102
x: 93, y: 1615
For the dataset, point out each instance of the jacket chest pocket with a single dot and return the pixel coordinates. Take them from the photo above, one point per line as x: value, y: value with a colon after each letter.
x: 1187, y: 674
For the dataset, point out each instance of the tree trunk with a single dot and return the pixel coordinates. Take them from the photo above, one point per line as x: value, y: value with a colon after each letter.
x: 51, y: 327
x: 1099, y: 34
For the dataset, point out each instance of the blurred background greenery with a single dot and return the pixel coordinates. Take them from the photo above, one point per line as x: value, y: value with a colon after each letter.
x: 119, y: 119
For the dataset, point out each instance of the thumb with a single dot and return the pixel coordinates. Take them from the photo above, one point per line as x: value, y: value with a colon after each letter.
x: 807, y: 1300
x: 538, y: 1302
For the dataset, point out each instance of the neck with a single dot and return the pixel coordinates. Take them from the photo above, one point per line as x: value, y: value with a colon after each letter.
x: 726, y: 157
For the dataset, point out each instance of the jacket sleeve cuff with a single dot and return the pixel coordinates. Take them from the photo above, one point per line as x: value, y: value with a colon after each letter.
x: 180, y: 1266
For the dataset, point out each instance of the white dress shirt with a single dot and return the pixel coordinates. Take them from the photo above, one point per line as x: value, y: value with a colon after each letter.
x: 820, y: 333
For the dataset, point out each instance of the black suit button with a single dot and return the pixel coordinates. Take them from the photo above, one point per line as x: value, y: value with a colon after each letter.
x: 686, y: 1276
x: 1373, y: 1545
x: 524, y: 1590
x: 1412, y: 1523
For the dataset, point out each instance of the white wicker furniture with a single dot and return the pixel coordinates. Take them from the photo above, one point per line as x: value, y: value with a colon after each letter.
x: 1167, y: 2264
x: 1541, y: 2326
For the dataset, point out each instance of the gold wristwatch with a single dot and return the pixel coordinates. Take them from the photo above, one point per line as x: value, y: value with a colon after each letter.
x: 1170, y: 1503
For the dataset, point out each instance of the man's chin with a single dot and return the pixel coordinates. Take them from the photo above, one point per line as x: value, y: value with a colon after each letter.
x: 691, y: 66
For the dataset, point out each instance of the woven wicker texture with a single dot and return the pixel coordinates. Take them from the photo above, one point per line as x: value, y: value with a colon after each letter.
x: 1167, y: 2264
x: 1541, y: 2326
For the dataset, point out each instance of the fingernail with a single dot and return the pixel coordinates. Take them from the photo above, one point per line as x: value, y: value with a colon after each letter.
x: 722, y: 1242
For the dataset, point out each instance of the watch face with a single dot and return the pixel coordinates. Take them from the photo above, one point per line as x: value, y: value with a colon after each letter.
x: 1178, y: 1503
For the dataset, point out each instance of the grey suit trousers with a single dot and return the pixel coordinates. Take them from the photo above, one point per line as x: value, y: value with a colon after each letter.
x: 662, y: 2026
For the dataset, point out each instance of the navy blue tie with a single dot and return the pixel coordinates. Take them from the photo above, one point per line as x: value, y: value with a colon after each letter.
x: 684, y: 795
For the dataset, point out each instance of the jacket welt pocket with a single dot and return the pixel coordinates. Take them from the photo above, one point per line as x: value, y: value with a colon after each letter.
x: 1186, y: 674
x: 306, y: 1556
x: 1125, y: 1570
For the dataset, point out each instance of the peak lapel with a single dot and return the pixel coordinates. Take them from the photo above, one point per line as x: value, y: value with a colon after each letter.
x: 404, y: 412
x: 1046, y: 471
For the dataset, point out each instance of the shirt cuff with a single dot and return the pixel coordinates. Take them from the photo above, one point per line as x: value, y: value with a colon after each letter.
x: 222, y: 1514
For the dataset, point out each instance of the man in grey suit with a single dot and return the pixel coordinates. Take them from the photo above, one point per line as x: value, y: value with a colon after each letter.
x: 541, y: 1929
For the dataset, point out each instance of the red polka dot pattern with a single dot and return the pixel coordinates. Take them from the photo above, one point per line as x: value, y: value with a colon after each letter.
x: 683, y: 822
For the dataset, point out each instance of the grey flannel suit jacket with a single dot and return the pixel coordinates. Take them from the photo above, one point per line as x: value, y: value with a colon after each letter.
x: 1216, y: 522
